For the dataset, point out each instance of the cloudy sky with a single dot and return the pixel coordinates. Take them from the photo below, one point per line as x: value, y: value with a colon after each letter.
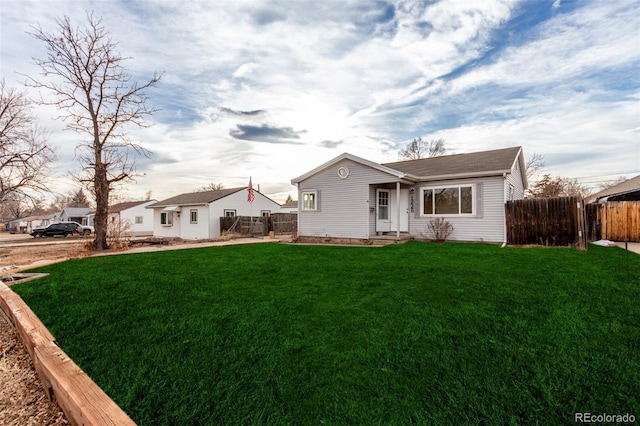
x: 272, y: 89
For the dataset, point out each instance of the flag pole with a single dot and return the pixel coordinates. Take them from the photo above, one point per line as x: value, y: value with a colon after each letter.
x: 250, y: 198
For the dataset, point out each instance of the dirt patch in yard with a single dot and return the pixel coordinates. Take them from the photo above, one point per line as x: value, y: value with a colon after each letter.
x: 18, y: 256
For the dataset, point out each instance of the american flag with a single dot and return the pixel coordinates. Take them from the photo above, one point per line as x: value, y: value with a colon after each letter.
x: 250, y: 195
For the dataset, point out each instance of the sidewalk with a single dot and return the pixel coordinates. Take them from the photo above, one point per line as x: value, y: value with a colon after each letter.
x: 634, y: 247
x: 159, y: 247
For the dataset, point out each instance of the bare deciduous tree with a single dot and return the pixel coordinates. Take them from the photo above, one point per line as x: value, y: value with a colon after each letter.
x: 534, y: 165
x: 24, y: 153
x: 419, y: 148
x: 86, y: 75
x: 211, y: 187
x: 558, y: 187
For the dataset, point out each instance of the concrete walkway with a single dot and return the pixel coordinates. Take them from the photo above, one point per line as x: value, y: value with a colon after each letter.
x: 634, y: 247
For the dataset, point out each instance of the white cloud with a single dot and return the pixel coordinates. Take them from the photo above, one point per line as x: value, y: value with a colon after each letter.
x: 357, y: 77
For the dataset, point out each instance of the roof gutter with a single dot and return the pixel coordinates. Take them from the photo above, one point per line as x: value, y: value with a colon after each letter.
x: 463, y: 175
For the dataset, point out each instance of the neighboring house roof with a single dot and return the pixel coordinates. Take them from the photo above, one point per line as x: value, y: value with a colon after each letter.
x: 77, y: 211
x: 484, y: 163
x: 629, y: 186
x: 290, y: 205
x: 196, y: 198
x: 125, y: 205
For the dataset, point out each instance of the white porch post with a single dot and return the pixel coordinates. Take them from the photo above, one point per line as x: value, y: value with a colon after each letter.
x: 398, y: 209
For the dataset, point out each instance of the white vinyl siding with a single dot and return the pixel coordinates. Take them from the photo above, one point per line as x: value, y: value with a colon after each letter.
x: 346, y: 206
x: 487, y: 222
x: 513, y: 180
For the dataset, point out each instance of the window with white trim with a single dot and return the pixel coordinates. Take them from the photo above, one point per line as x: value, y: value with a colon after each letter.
x: 138, y: 220
x: 166, y: 218
x: 448, y: 200
x: 193, y: 216
x: 265, y: 213
x: 230, y: 213
x: 309, y: 200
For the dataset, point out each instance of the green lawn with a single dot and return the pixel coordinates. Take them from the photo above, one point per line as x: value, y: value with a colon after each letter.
x: 414, y: 333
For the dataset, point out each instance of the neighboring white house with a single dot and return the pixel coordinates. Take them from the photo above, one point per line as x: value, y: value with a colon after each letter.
x: 289, y: 207
x: 132, y: 218
x: 82, y: 215
x: 27, y: 224
x: 196, y: 215
x: 350, y: 197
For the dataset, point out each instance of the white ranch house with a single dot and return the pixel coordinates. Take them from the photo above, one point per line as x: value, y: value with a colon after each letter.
x: 82, y: 215
x: 132, y: 218
x: 196, y: 215
x: 350, y: 197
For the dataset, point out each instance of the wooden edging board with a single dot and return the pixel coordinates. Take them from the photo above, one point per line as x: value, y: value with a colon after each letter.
x: 82, y: 401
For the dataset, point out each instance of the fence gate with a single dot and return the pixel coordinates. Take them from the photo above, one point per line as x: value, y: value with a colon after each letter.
x: 278, y: 223
x: 546, y: 221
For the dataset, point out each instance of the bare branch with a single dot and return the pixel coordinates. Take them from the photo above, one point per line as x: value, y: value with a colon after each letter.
x: 419, y: 148
x: 25, y: 155
x: 534, y: 165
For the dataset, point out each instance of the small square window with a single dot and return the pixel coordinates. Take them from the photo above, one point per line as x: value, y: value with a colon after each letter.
x: 139, y: 220
x: 166, y: 218
x: 229, y: 213
x: 309, y: 200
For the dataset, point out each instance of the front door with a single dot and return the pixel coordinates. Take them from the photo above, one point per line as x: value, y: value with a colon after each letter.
x: 387, y: 211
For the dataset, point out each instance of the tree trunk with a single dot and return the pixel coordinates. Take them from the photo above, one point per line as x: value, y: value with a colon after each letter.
x: 101, y: 189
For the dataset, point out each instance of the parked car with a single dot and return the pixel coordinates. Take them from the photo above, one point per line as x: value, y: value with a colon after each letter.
x: 83, y: 229
x: 63, y: 229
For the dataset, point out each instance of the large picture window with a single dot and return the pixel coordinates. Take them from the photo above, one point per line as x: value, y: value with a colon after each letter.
x: 448, y: 200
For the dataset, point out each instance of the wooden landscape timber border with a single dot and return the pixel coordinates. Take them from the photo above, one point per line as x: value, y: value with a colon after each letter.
x: 82, y: 401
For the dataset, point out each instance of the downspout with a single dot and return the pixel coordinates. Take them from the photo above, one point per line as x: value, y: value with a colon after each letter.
x: 299, y: 210
x: 398, y: 209
x: 504, y: 218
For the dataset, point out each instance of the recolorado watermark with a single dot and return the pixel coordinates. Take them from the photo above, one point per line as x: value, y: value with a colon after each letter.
x: 604, y: 418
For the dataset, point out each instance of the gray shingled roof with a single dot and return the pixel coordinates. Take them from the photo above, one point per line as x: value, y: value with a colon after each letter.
x: 117, y: 208
x: 498, y: 160
x: 193, y: 198
x: 78, y: 211
x: 629, y: 185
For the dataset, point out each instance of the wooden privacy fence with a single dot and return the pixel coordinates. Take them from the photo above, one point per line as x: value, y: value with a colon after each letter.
x: 546, y: 221
x: 615, y: 221
x: 278, y: 223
